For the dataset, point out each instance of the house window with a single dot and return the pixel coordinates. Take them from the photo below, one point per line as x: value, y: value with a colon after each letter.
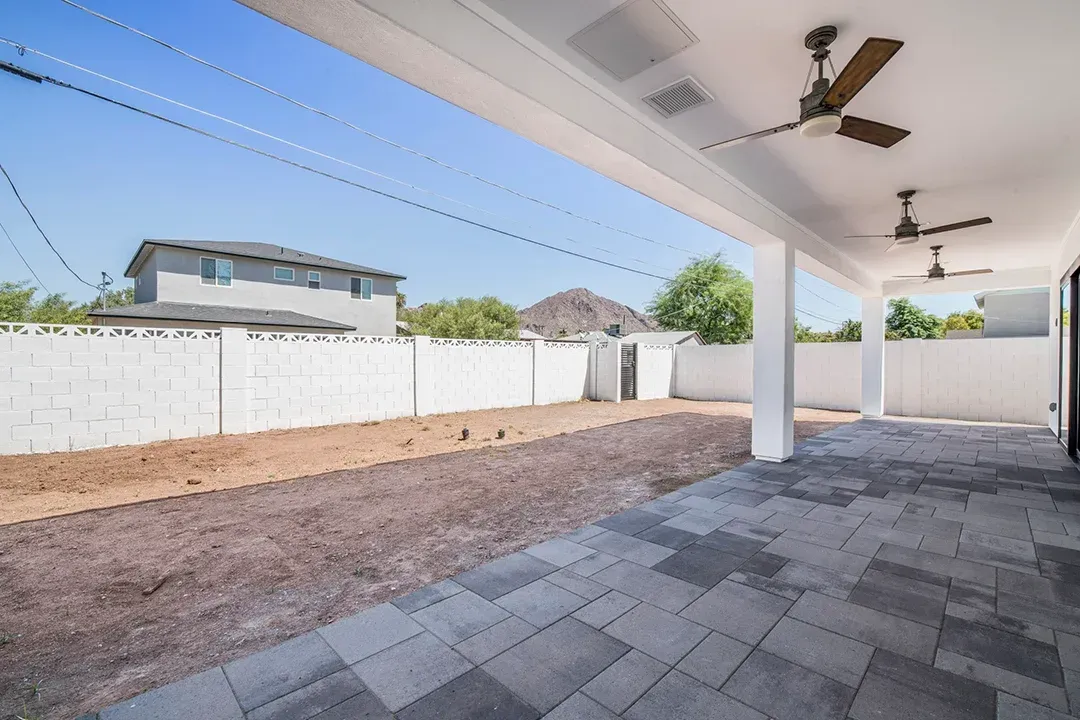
x: 284, y: 274
x: 214, y: 271
x: 361, y: 288
x: 314, y: 279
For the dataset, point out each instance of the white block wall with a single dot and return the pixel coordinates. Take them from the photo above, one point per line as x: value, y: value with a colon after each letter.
x: 69, y: 388
x: 714, y: 372
x: 986, y: 379
x: 828, y: 375
x: 303, y: 380
x: 561, y: 372
x: 655, y: 365
x: 480, y: 374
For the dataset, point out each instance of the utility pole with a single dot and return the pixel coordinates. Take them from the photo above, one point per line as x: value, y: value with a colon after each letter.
x: 103, y: 289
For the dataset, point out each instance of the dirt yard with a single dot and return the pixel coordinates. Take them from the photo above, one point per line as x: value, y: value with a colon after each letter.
x: 38, y: 486
x: 247, y: 567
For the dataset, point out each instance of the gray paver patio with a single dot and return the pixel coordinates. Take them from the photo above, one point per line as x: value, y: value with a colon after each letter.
x: 890, y: 569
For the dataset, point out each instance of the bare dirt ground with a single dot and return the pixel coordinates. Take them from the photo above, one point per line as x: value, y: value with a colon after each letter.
x: 37, y: 486
x: 248, y: 567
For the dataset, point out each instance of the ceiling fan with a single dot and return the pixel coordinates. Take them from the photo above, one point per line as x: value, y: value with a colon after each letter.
x: 936, y: 272
x: 819, y: 111
x: 908, y: 232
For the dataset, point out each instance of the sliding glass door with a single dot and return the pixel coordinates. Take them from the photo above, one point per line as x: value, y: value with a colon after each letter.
x: 1069, y: 387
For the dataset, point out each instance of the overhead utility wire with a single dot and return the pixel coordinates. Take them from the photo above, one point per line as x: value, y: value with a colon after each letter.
x: 16, y: 248
x: 47, y: 241
x: 205, y: 133
x: 370, y: 134
x: 25, y: 49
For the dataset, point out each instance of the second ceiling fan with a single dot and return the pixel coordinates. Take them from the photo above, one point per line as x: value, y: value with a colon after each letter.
x: 909, y: 232
x: 820, y: 109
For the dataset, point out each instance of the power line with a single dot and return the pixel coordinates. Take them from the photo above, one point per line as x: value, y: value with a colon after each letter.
x: 34, y: 219
x: 23, y: 49
x: 16, y: 248
x: 368, y: 133
x: 819, y: 297
x: 308, y: 168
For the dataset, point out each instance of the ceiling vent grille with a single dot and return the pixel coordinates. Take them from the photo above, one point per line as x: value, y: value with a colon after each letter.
x: 678, y: 97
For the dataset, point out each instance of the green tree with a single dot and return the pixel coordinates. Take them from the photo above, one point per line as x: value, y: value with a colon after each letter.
x: 709, y: 296
x: 486, y: 318
x: 956, y: 321
x: 974, y: 319
x: 907, y: 320
x: 849, y: 331
x: 18, y: 303
x: 400, y: 301
x: 114, y: 298
x: 16, y: 300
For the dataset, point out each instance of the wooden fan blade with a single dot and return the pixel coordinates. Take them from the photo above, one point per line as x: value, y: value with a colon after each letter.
x: 752, y: 136
x: 868, y: 131
x: 982, y: 271
x: 957, y: 226
x: 861, y: 69
x: 869, y: 236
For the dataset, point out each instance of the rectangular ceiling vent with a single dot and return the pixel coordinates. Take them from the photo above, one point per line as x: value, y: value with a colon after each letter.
x: 678, y: 97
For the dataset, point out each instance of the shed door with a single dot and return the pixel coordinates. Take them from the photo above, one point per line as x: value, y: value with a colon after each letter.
x: 628, y: 372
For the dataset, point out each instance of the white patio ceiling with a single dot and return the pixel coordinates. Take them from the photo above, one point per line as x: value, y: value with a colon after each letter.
x: 987, y: 89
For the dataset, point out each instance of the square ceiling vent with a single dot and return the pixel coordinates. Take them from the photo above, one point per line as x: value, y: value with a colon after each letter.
x: 678, y: 97
x: 633, y: 37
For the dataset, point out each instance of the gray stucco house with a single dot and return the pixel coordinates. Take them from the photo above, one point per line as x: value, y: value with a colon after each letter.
x: 209, y: 284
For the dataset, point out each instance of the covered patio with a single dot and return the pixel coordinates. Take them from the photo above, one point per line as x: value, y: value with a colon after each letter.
x: 886, y: 569
x: 648, y: 92
x: 889, y: 569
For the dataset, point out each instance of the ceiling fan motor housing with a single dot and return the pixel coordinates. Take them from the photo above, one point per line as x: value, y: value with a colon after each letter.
x: 816, y: 119
x: 907, y: 232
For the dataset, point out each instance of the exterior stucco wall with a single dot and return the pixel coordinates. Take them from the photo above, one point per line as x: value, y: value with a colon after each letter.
x: 253, y: 285
x: 1017, y: 314
x: 146, y: 281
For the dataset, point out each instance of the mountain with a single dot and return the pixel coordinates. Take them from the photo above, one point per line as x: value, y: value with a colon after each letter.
x: 579, y: 310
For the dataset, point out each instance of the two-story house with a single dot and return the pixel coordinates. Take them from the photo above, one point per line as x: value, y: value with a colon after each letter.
x: 208, y: 284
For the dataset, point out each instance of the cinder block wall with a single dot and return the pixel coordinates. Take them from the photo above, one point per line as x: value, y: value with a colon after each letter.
x: 79, y: 388
x: 985, y: 379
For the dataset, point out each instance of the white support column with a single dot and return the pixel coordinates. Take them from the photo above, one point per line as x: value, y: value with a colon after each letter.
x: 873, y: 356
x: 773, y: 425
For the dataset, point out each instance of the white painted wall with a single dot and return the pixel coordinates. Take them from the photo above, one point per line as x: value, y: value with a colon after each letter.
x: 996, y: 379
x: 828, y: 375
x: 991, y: 379
x: 480, y: 374
x: 302, y: 380
x: 561, y: 371
x: 714, y: 372
x: 655, y: 365
x: 69, y: 388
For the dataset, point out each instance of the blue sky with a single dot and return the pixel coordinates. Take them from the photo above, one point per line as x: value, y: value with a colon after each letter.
x: 100, y: 178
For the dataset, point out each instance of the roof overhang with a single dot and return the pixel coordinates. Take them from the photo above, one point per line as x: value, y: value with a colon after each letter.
x: 510, y: 62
